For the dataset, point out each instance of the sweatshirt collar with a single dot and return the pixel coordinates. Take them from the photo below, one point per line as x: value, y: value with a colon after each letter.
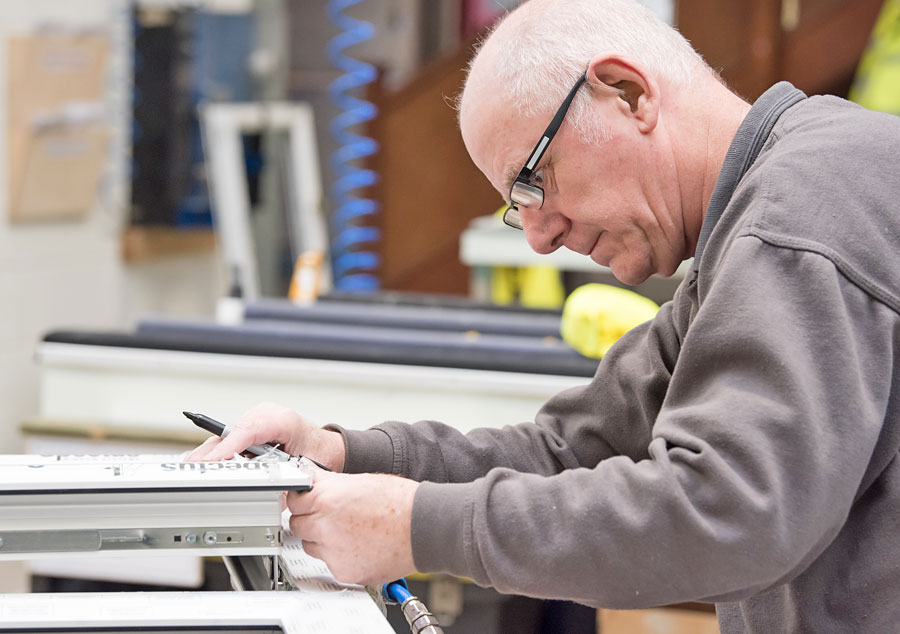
x: 745, y: 147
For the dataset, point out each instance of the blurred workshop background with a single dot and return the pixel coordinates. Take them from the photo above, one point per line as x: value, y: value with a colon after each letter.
x: 176, y: 162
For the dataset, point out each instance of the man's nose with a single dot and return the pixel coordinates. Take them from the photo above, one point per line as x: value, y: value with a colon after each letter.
x: 544, y: 230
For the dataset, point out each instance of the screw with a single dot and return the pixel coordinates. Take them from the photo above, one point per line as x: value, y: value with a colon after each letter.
x: 190, y: 538
x: 209, y: 537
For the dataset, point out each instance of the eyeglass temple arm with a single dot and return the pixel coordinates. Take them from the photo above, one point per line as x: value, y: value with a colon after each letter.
x: 551, y: 131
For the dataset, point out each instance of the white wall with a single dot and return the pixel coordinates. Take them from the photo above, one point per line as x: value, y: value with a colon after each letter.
x: 71, y: 275
x: 50, y: 274
x: 178, y: 286
x: 54, y: 274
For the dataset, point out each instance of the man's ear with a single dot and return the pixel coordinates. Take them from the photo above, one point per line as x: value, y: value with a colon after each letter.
x: 636, y: 90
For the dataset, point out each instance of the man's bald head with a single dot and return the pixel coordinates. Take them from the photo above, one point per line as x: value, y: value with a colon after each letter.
x: 634, y: 202
x: 535, y: 53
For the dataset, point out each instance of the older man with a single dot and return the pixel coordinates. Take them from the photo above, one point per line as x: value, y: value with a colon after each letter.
x: 742, y: 447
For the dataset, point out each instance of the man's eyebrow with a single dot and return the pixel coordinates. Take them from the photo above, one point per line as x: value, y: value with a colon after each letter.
x: 508, y: 178
x: 512, y: 172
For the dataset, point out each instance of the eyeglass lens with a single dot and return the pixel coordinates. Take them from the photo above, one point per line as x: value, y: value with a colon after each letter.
x: 512, y: 217
x: 527, y: 195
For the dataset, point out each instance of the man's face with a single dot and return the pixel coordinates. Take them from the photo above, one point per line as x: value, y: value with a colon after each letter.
x: 615, y: 201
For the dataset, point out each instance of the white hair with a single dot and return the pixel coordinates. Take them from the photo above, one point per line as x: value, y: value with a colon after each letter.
x: 546, y: 44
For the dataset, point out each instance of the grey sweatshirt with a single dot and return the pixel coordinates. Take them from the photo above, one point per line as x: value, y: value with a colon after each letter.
x: 741, y: 448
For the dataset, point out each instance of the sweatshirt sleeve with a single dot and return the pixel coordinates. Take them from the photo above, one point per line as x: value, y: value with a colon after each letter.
x: 613, y: 415
x: 757, y: 453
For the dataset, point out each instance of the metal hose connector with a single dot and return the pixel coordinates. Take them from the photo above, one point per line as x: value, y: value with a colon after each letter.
x: 420, y: 620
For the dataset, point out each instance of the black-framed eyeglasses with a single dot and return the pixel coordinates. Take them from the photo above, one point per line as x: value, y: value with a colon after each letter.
x: 523, y: 191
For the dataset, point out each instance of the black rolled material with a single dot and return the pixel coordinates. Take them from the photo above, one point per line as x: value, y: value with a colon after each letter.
x: 459, y: 319
x: 535, y: 355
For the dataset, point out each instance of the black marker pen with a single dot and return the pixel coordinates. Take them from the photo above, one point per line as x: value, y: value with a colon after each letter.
x: 215, y: 427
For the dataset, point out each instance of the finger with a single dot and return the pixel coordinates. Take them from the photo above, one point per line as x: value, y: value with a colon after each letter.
x: 263, y: 424
x: 300, y: 503
x: 282, y: 424
x: 236, y: 442
x: 200, y: 452
x: 313, y: 549
x: 307, y: 502
x: 307, y: 528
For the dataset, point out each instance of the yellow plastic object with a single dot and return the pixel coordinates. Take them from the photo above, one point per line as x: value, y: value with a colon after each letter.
x: 596, y: 315
x: 535, y: 286
x: 877, y: 83
x: 532, y: 286
x: 541, y: 287
x: 504, y: 284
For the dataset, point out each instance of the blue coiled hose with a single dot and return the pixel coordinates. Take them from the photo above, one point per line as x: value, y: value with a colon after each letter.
x: 353, y: 265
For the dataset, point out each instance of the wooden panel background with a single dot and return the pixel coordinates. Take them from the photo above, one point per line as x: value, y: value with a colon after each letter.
x: 736, y: 38
x: 429, y: 187
x: 821, y: 54
x: 814, y: 44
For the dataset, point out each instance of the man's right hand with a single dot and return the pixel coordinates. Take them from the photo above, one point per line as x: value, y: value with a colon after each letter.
x: 275, y: 424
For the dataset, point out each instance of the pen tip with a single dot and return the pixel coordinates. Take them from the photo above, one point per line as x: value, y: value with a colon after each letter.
x: 188, y: 414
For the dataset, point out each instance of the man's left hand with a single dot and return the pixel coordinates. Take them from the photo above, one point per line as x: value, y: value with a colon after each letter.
x: 358, y: 524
